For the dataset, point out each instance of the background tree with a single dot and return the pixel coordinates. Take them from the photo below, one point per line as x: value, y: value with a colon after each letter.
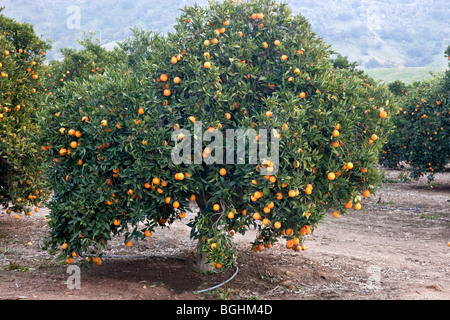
x: 421, y: 137
x: 21, y: 66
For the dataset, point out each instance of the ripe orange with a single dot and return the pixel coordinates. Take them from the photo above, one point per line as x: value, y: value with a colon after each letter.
x: 167, y: 92
x: 73, y: 144
x: 308, y: 191
x: 77, y: 134
x: 302, y: 95
x: 147, y: 233
x: 176, y: 204
x: 222, y: 171
x: 64, y: 246
x: 156, y: 181
x: 174, y: 60
x: 366, y: 193
x: 141, y: 111
x: 207, y: 65
x: 176, y: 80
x: 192, y: 198
x: 277, y: 42
x: 182, y: 215
x: 259, y: 16
x: 230, y: 215
x: 168, y: 199
x: 129, y: 243
x: 289, y: 244
x: 335, y: 133
x: 374, y: 137
x: 256, y: 216
x: 291, y: 193
x: 284, y: 57
x: 277, y: 224
x: 348, y: 205
x: 336, y: 214
x: 350, y: 165
x: 71, y: 132
x: 116, y: 222
x: 331, y: 176
x: 269, y: 114
x: 383, y: 115
x: 266, y: 221
x: 357, y: 206
x: 213, y: 245
x: 163, y: 77
x: 265, y: 45
x: 216, y: 207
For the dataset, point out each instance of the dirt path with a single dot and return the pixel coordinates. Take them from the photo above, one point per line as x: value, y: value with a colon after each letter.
x: 394, y: 248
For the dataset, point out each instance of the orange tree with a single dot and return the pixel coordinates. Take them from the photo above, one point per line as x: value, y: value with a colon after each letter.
x: 246, y: 65
x: 91, y: 59
x: 21, y: 66
x: 422, y: 128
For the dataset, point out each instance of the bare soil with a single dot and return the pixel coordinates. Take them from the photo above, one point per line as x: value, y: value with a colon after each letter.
x: 395, y: 248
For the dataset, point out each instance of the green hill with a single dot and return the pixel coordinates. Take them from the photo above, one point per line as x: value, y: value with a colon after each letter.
x: 407, y: 75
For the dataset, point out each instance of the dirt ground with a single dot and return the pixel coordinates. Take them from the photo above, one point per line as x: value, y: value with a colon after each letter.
x: 395, y: 248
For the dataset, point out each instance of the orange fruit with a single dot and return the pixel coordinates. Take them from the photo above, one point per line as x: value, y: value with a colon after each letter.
x: 176, y: 204
x: 147, y: 233
x: 259, y: 16
x: 73, y: 144
x: 266, y: 221
x: 182, y: 215
x: 64, y: 246
x: 116, y: 222
x: 265, y: 45
x: 350, y: 165
x: 167, y: 92
x: 308, y: 191
x: 284, y: 57
x: 141, y: 111
x: 289, y: 244
x: 256, y: 216
x: 348, y: 205
x: 374, y: 137
x: 207, y: 65
x: 335, y: 214
x: 71, y: 132
x: 277, y: 224
x: 277, y: 42
x: 213, y: 245
x: 77, y: 134
x: 357, y: 206
x: 174, y: 60
x: 192, y: 198
x: 291, y: 193
x: 129, y: 243
x: 383, y: 115
x: 216, y: 207
x: 176, y: 80
x: 366, y: 193
x: 302, y: 95
x: 331, y: 176
x: 163, y: 77
x: 230, y: 215
x: 222, y: 171
x: 269, y: 114
x: 335, y: 133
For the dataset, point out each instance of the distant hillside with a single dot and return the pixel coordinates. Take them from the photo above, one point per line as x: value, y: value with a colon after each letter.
x: 374, y: 33
x: 407, y: 75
